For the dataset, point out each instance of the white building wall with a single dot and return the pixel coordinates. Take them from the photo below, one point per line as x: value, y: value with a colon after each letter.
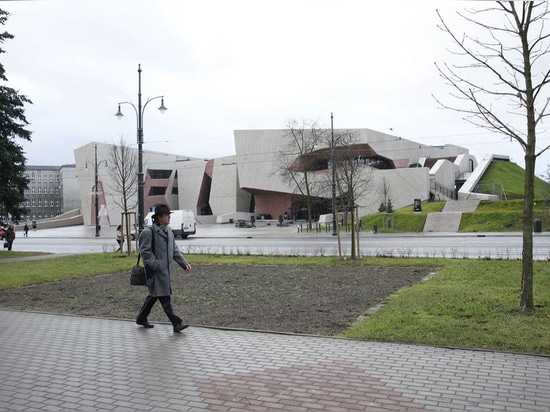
x: 69, y: 188
x: 404, y: 185
x: 190, y: 177
x: 257, y: 154
x: 444, y: 174
x: 223, y: 192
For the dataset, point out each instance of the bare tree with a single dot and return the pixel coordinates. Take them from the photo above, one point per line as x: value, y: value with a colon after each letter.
x: 385, y: 192
x: 296, y: 161
x: 123, y: 168
x: 509, y: 55
x: 353, y: 179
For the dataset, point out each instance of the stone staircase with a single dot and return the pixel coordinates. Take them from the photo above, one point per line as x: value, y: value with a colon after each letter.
x: 448, y: 220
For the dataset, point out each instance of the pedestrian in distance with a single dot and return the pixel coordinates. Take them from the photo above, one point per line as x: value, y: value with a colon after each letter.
x: 10, y: 236
x: 26, y: 230
x: 119, y: 237
x: 157, y: 246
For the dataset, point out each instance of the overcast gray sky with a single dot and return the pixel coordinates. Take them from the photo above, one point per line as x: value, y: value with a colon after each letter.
x: 225, y: 65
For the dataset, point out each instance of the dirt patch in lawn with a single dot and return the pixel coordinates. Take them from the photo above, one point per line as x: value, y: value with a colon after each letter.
x: 323, y: 300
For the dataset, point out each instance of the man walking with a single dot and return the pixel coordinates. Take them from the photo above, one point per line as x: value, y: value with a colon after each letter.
x: 157, y: 246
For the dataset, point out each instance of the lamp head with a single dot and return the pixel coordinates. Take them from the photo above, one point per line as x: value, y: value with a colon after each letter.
x: 119, y: 114
x: 162, y: 107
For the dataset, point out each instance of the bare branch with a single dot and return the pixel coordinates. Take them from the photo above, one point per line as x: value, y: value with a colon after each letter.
x: 511, y: 57
x: 123, y: 167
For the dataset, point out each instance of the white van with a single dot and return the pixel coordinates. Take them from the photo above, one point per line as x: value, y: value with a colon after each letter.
x: 182, y: 222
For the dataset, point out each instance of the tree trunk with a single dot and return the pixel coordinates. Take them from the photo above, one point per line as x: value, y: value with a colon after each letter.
x: 338, y: 233
x: 308, y: 202
x: 527, y: 300
x: 527, y: 304
x: 358, y: 223
x: 352, y: 233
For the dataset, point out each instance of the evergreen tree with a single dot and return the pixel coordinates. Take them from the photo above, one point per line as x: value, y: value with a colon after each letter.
x: 12, y: 127
x: 389, y: 206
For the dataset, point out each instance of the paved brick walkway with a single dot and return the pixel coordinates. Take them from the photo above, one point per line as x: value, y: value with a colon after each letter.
x: 66, y: 363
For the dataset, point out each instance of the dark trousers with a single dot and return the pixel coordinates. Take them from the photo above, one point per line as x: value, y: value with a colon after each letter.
x: 166, y: 305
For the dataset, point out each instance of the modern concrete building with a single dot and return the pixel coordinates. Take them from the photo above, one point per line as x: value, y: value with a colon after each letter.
x: 248, y: 183
x: 408, y: 169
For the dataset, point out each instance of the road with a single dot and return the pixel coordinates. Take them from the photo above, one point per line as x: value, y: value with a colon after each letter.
x: 272, y: 240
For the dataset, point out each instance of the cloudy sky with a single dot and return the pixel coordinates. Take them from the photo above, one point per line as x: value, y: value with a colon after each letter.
x: 226, y: 65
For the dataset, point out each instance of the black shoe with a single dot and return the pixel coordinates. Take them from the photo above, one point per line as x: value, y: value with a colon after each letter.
x: 179, y: 327
x: 145, y: 324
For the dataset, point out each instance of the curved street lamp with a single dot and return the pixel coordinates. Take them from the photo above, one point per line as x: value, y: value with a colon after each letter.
x: 139, y: 115
x: 96, y: 188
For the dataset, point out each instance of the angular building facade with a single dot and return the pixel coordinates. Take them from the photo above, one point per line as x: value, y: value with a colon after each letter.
x: 249, y: 183
x: 408, y: 170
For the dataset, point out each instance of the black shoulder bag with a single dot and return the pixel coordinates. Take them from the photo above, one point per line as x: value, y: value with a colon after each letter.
x: 138, y: 275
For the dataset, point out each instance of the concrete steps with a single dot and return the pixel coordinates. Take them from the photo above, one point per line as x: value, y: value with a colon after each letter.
x: 448, y: 220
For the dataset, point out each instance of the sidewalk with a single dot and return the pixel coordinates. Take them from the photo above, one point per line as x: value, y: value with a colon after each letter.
x: 68, y: 363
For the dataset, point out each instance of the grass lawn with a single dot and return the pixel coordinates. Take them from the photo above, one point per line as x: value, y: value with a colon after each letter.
x: 470, y: 304
x: 467, y: 303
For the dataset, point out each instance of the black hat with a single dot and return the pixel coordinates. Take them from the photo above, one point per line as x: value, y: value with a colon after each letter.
x: 160, y: 210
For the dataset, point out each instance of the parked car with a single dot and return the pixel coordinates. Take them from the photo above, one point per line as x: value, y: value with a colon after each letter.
x: 182, y: 223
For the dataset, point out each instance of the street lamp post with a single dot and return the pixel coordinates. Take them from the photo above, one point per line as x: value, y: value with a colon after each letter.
x: 96, y: 188
x: 333, y: 167
x: 139, y: 115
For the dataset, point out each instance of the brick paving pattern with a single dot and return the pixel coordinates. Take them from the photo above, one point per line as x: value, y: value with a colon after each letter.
x: 69, y: 363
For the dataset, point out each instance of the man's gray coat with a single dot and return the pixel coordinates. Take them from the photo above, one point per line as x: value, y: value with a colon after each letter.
x: 159, y: 263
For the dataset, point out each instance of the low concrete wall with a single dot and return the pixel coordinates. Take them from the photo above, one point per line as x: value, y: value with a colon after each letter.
x: 72, y: 218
